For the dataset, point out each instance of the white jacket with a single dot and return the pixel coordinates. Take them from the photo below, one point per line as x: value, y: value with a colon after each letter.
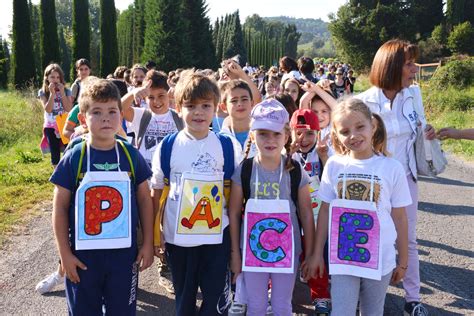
x: 374, y: 98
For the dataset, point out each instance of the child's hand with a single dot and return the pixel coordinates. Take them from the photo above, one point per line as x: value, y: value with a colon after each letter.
x: 52, y: 87
x: 398, y: 274
x: 60, y: 88
x: 430, y: 133
x: 296, y: 144
x: 142, y: 92
x: 322, y: 147
x: 314, y: 266
x: 145, y: 257
x: 69, y: 264
x: 308, y: 86
x: 235, y: 264
x: 325, y: 84
x: 233, y: 70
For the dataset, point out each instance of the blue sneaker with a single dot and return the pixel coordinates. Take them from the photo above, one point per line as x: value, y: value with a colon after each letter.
x: 322, y: 306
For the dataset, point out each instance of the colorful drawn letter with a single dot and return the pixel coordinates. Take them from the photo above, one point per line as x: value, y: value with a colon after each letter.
x: 350, y: 236
x: 202, y: 212
x: 266, y: 255
x: 102, y: 204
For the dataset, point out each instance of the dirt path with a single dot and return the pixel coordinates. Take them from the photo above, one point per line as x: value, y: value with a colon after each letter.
x: 445, y: 237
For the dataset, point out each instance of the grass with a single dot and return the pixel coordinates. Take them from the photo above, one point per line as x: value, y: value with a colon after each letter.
x: 24, y: 172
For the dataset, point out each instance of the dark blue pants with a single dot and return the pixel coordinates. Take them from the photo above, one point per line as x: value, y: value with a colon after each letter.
x: 111, y: 279
x: 205, y: 267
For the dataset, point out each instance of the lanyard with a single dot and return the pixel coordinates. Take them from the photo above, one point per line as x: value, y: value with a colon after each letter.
x: 88, y: 156
x: 256, y: 179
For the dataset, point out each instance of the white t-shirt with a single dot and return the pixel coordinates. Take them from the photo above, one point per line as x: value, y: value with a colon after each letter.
x: 327, y: 132
x: 160, y: 125
x: 390, y: 191
x: 202, y: 156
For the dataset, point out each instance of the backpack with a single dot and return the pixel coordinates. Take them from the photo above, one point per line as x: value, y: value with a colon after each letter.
x: 246, y: 175
x: 78, y: 153
x: 146, y: 118
x: 165, y: 159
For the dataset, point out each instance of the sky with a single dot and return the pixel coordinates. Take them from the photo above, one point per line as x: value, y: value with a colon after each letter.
x: 294, y: 8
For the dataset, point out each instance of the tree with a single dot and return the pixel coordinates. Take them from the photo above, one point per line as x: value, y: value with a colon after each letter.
x: 23, y: 59
x: 65, y: 52
x: 358, y: 31
x: 35, y: 34
x: 440, y: 34
x: 165, y: 38
x: 235, y: 39
x: 81, y: 31
x: 125, y: 36
x: 49, y: 34
x: 138, y: 29
x: 108, y: 37
x: 461, y: 39
x: 198, y: 30
x: 427, y: 14
x: 3, y: 66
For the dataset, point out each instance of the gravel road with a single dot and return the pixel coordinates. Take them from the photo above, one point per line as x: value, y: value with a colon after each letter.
x: 445, y: 237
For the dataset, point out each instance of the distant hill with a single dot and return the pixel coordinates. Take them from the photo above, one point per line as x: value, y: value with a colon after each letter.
x: 309, y: 28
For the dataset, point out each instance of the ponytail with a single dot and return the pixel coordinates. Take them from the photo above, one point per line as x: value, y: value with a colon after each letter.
x: 379, y: 140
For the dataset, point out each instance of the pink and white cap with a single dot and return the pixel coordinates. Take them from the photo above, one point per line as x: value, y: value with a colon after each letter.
x: 269, y: 115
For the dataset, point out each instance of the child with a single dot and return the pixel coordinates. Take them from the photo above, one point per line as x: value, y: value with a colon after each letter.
x: 237, y: 101
x: 102, y: 273
x: 153, y: 123
x: 56, y: 99
x: 321, y: 102
x: 304, y: 128
x: 194, y: 227
x: 291, y: 86
x: 378, y: 192
x: 83, y: 70
x: 270, y: 132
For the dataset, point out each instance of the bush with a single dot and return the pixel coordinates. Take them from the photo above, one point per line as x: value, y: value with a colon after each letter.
x: 447, y: 100
x: 430, y: 51
x: 456, y: 73
x: 461, y: 39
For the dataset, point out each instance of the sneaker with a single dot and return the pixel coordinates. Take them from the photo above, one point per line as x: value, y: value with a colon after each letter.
x: 46, y: 285
x: 322, y: 306
x: 237, y: 309
x: 269, y: 310
x: 415, y: 309
x: 165, y: 279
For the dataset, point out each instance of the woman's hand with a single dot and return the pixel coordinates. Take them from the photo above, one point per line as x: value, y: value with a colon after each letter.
x: 430, y: 133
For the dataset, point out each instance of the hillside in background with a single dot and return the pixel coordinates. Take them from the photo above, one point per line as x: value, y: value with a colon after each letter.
x: 310, y: 28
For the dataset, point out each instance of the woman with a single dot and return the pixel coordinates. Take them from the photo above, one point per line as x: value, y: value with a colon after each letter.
x: 289, y: 68
x: 392, y: 96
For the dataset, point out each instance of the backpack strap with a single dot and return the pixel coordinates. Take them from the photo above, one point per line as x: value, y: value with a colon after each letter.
x: 144, y: 122
x: 165, y: 155
x: 295, y: 179
x: 178, y: 121
x: 129, y: 157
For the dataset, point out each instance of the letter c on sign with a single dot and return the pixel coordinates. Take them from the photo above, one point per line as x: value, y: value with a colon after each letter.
x: 102, y: 204
x: 266, y: 255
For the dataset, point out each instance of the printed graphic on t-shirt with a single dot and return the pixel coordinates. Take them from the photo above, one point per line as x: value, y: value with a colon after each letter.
x: 268, y: 189
x: 358, y: 187
x: 312, y: 168
x: 156, y: 131
x: 205, y: 163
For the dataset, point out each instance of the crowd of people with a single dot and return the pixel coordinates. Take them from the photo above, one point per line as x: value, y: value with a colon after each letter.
x: 178, y: 166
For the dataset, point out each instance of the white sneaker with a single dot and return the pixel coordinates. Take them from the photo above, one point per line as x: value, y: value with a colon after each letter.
x: 46, y: 285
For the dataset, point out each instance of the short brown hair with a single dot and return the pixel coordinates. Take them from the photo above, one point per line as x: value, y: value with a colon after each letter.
x: 228, y: 86
x: 387, y: 67
x: 193, y: 86
x: 120, y: 72
x: 159, y: 80
x: 98, y: 90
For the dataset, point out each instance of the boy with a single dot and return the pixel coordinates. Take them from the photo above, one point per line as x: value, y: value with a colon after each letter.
x: 197, y: 243
x: 100, y: 257
x: 237, y: 102
x: 153, y: 123
x: 304, y: 130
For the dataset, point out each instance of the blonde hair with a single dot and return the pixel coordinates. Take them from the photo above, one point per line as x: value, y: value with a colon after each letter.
x: 193, y: 85
x: 288, y: 164
x: 351, y: 104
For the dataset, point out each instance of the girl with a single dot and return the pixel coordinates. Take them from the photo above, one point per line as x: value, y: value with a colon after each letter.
x: 361, y: 171
x: 341, y: 86
x: 56, y: 99
x: 292, y: 87
x: 271, y: 174
x: 83, y: 70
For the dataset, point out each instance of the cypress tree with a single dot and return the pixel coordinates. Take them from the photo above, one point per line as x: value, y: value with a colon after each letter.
x: 164, y: 40
x: 125, y: 36
x: 49, y: 34
x: 3, y: 68
x: 215, y: 33
x: 81, y: 33
x: 220, y: 42
x: 138, y: 29
x: 6, y: 65
x: 108, y: 37
x: 23, y: 59
x: 35, y: 34
x: 65, y: 52
x: 235, y: 39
